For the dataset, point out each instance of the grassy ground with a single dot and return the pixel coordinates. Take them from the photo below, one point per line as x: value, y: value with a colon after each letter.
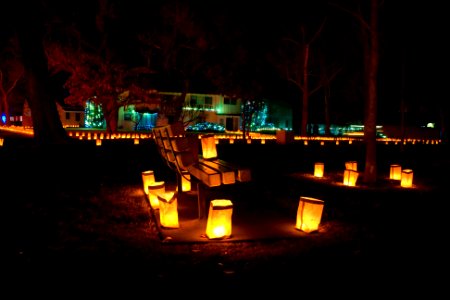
x: 80, y: 208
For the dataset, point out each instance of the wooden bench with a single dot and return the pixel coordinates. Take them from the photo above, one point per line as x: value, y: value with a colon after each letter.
x: 181, y: 153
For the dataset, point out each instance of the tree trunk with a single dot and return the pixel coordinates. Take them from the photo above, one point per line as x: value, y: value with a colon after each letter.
x: 370, y: 171
x: 327, y: 111
x: 178, y: 106
x: 305, y: 93
x: 47, y: 125
x: 7, y: 114
x: 244, y: 121
x: 111, y: 119
x: 402, y: 106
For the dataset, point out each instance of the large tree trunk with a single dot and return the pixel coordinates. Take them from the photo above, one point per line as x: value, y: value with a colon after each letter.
x: 111, y: 114
x: 402, y: 106
x: 111, y: 123
x: 7, y: 114
x: 305, y: 93
x: 46, y: 122
x: 179, y: 104
x: 370, y: 171
x: 327, y: 110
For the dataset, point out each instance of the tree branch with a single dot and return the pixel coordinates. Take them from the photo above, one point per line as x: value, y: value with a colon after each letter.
x: 357, y: 15
x: 318, y: 31
x: 14, y: 83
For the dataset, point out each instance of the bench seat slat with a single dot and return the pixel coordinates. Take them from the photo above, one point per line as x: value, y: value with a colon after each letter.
x: 227, y: 174
x: 208, y: 176
x: 242, y: 174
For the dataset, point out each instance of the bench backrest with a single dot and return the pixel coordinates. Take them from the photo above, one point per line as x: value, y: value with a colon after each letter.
x: 181, y: 153
x: 178, y: 150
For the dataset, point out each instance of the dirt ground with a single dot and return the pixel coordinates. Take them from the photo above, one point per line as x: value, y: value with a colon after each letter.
x: 80, y: 210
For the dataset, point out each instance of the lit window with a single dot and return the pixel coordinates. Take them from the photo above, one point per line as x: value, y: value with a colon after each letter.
x: 193, y: 102
x: 230, y: 101
x: 127, y: 116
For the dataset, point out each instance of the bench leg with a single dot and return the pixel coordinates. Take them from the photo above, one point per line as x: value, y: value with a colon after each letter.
x: 179, y: 186
x: 201, y: 198
x: 201, y: 195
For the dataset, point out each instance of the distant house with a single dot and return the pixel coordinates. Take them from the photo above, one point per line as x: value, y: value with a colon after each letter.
x: 211, y: 108
x: 69, y: 116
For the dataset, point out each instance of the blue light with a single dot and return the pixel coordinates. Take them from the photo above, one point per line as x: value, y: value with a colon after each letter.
x: 206, y: 126
x: 4, y: 118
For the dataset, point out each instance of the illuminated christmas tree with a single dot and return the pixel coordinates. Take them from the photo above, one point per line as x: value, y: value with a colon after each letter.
x: 93, y: 115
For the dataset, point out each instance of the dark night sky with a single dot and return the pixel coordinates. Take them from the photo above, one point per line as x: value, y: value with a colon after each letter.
x: 416, y: 49
x: 413, y: 50
x: 412, y: 45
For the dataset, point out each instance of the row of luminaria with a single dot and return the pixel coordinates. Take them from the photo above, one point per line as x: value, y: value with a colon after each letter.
x: 350, y: 176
